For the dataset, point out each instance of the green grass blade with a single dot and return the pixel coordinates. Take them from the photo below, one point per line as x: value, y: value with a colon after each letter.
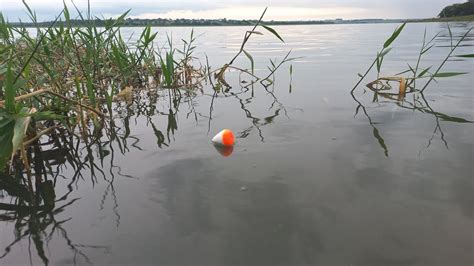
x: 170, y: 63
x: 385, y: 52
x: 252, y: 63
x: 274, y: 32
x: 403, y: 72
x: 43, y: 36
x: 448, y: 74
x: 450, y: 34
x: 10, y: 91
x: 19, y: 130
x: 7, y: 124
x: 427, y: 49
x: 379, y: 62
x: 465, y: 55
x: 422, y: 73
x: 394, y: 36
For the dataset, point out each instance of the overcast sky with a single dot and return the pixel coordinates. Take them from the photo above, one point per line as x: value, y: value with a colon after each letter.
x: 237, y: 9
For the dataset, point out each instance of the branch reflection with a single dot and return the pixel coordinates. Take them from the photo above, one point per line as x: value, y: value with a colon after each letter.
x: 418, y: 103
x: 60, y: 162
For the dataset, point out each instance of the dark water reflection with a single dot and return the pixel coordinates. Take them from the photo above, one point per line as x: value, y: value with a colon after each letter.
x: 318, y: 176
x: 258, y: 222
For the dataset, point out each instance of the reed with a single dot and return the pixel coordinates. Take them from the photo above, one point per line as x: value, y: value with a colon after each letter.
x: 407, y: 84
x: 69, y: 78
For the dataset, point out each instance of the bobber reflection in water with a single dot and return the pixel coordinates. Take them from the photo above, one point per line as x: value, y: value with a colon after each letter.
x: 224, y: 142
x: 225, y: 151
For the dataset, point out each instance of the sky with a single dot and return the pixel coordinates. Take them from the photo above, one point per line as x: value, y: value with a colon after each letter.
x: 14, y: 10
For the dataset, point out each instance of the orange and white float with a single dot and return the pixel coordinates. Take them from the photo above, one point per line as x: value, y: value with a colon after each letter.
x: 224, y: 138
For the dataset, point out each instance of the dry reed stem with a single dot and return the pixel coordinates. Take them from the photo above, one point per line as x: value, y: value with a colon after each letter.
x: 402, y: 89
x: 39, y: 134
x: 47, y: 91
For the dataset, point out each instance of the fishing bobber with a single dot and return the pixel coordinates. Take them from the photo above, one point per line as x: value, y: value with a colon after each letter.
x: 225, y: 138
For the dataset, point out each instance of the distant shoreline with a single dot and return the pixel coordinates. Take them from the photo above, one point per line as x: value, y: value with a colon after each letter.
x: 469, y: 18
x: 227, y: 23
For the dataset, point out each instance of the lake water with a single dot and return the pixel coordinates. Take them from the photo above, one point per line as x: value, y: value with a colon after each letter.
x: 312, y: 180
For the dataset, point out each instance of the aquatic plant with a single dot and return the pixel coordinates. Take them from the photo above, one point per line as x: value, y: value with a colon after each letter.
x: 69, y: 78
x: 382, y: 86
x: 407, y: 84
x: 219, y: 73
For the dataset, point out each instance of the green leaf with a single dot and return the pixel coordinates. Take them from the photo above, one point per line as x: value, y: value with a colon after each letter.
x: 273, y: 32
x: 385, y: 52
x: 120, y: 19
x: 422, y: 73
x: 47, y: 115
x: 411, y: 68
x: 31, y: 14
x: 427, y: 49
x: 448, y: 74
x: 394, y: 36
x: 7, y: 124
x: 403, y: 72
x: 465, y: 55
x: 10, y: 90
x: 379, y: 62
x: 252, y: 63
x: 450, y: 35
x: 90, y: 89
x: 3, y: 69
x: 66, y: 13
x: 21, y: 125
x: 170, y: 63
x: 166, y: 74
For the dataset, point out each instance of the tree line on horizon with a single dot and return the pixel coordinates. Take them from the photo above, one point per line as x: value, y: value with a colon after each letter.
x: 456, y: 10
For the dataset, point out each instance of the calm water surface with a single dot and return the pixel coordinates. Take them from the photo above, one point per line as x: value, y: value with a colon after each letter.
x: 312, y: 180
